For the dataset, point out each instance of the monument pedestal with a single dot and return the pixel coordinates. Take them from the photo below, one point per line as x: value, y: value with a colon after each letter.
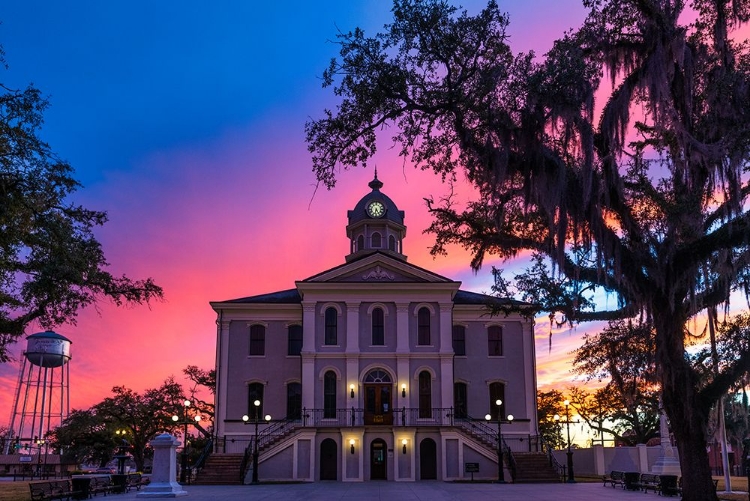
x: 163, y: 479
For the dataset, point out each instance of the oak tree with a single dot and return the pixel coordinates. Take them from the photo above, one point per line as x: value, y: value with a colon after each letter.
x: 51, y: 264
x: 644, y: 198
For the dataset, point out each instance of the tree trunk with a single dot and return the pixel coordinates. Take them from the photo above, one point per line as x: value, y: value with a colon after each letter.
x: 687, y: 414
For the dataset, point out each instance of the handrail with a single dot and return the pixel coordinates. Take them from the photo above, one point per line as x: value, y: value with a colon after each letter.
x: 245, y: 461
x: 204, y: 454
x: 552, y: 459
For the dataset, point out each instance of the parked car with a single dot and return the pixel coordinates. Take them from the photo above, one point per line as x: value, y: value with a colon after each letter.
x: 108, y: 471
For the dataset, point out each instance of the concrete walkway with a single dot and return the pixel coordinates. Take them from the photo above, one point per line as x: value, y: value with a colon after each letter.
x: 412, y: 491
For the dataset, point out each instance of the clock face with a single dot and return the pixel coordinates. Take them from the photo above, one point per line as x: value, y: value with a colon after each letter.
x: 375, y: 209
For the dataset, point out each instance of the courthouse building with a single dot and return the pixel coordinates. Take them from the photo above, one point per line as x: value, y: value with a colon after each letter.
x: 373, y: 369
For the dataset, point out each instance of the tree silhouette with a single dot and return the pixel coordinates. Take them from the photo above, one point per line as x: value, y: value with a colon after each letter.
x: 645, y: 201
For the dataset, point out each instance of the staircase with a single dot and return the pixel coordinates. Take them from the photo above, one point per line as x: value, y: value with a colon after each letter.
x: 534, y: 467
x: 220, y: 469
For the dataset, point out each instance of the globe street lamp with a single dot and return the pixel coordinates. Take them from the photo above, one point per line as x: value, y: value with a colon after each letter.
x: 246, y: 418
x: 488, y: 417
x: 571, y: 476
x: 185, y: 422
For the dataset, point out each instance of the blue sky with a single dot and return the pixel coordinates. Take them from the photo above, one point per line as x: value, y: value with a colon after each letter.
x: 185, y: 121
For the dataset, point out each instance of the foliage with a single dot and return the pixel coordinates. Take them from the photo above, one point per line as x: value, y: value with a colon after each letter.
x: 203, y: 380
x: 85, y: 437
x: 627, y: 407
x: 549, y: 404
x: 51, y: 264
x: 90, y: 435
x: 647, y: 203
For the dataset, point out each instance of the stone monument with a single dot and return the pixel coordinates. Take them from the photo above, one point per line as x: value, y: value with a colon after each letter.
x: 164, y: 474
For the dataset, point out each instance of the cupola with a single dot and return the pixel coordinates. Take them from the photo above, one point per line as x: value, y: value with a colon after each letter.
x: 375, y: 225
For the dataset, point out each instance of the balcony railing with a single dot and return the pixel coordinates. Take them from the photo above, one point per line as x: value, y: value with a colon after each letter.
x: 354, y: 417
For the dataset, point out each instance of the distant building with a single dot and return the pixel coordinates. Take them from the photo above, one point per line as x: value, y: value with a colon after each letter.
x: 373, y: 369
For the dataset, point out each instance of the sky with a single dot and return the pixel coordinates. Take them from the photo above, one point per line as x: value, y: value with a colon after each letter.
x: 185, y: 122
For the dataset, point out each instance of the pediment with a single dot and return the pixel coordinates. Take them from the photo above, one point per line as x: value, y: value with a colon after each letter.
x: 378, y: 268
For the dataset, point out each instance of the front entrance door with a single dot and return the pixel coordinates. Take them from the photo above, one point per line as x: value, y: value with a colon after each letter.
x: 328, y: 459
x: 378, y: 460
x: 428, y: 459
x: 378, y: 409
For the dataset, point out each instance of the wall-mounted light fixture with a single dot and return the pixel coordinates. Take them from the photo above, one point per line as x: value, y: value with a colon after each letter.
x: 403, y: 449
x: 351, y: 446
x: 403, y: 390
x: 351, y: 390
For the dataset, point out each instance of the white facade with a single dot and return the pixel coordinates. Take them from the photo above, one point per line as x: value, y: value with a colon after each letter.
x: 374, y: 369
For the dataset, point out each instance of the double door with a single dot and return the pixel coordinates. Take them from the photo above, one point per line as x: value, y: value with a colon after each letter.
x: 378, y: 404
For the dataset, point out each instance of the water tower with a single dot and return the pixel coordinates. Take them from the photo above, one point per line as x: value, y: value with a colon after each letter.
x: 42, y: 399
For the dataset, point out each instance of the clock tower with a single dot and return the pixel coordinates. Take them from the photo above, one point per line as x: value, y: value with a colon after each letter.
x: 375, y: 225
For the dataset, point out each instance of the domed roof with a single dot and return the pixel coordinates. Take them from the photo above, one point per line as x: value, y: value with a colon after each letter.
x: 48, y: 335
x: 359, y: 212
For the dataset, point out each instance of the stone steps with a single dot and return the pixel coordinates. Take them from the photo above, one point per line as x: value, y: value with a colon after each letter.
x: 220, y: 469
x: 534, y: 467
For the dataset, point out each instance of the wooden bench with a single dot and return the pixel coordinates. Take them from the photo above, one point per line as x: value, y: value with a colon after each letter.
x: 53, y: 489
x: 136, y: 480
x: 100, y: 485
x: 615, y: 478
x: 649, y: 481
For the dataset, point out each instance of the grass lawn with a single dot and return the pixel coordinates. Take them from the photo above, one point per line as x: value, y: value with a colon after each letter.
x: 14, y: 491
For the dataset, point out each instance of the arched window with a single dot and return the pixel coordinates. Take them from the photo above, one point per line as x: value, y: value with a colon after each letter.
x: 329, y: 395
x: 495, y: 340
x: 294, y: 336
x: 461, y: 410
x: 293, y: 401
x: 360, y: 242
x: 375, y: 240
x: 423, y: 329
x: 378, y: 329
x: 497, y: 392
x: 425, y: 395
x: 255, y: 392
x: 257, y: 340
x: 331, y: 334
x: 459, y: 340
x: 392, y: 243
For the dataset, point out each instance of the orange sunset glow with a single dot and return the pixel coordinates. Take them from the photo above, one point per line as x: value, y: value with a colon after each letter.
x: 187, y: 127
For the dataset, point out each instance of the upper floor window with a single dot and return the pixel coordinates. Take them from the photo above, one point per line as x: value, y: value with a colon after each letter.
x: 423, y: 326
x: 497, y: 392
x: 331, y: 332
x: 461, y: 410
x: 255, y: 393
x: 378, y: 328
x: 257, y: 339
x: 293, y: 401
x: 425, y: 395
x: 360, y: 242
x: 294, y: 336
x: 392, y: 243
x: 329, y: 395
x: 375, y: 239
x: 495, y: 340
x: 459, y: 340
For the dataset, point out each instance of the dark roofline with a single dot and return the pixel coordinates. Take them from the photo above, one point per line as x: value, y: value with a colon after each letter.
x: 289, y: 296
x: 467, y: 297
x: 359, y: 258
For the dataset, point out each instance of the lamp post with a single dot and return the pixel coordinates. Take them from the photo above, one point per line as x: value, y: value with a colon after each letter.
x: 185, y: 422
x: 571, y: 476
x: 39, y: 444
x: 246, y: 418
x: 488, y: 417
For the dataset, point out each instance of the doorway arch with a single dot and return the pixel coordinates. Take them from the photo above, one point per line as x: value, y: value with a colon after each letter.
x: 378, y: 460
x: 428, y: 459
x: 328, y: 464
x: 378, y: 395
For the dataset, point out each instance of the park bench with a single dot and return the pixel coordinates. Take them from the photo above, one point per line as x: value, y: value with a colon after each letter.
x: 136, y: 480
x: 100, y: 485
x: 615, y: 478
x: 649, y: 481
x: 53, y: 489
